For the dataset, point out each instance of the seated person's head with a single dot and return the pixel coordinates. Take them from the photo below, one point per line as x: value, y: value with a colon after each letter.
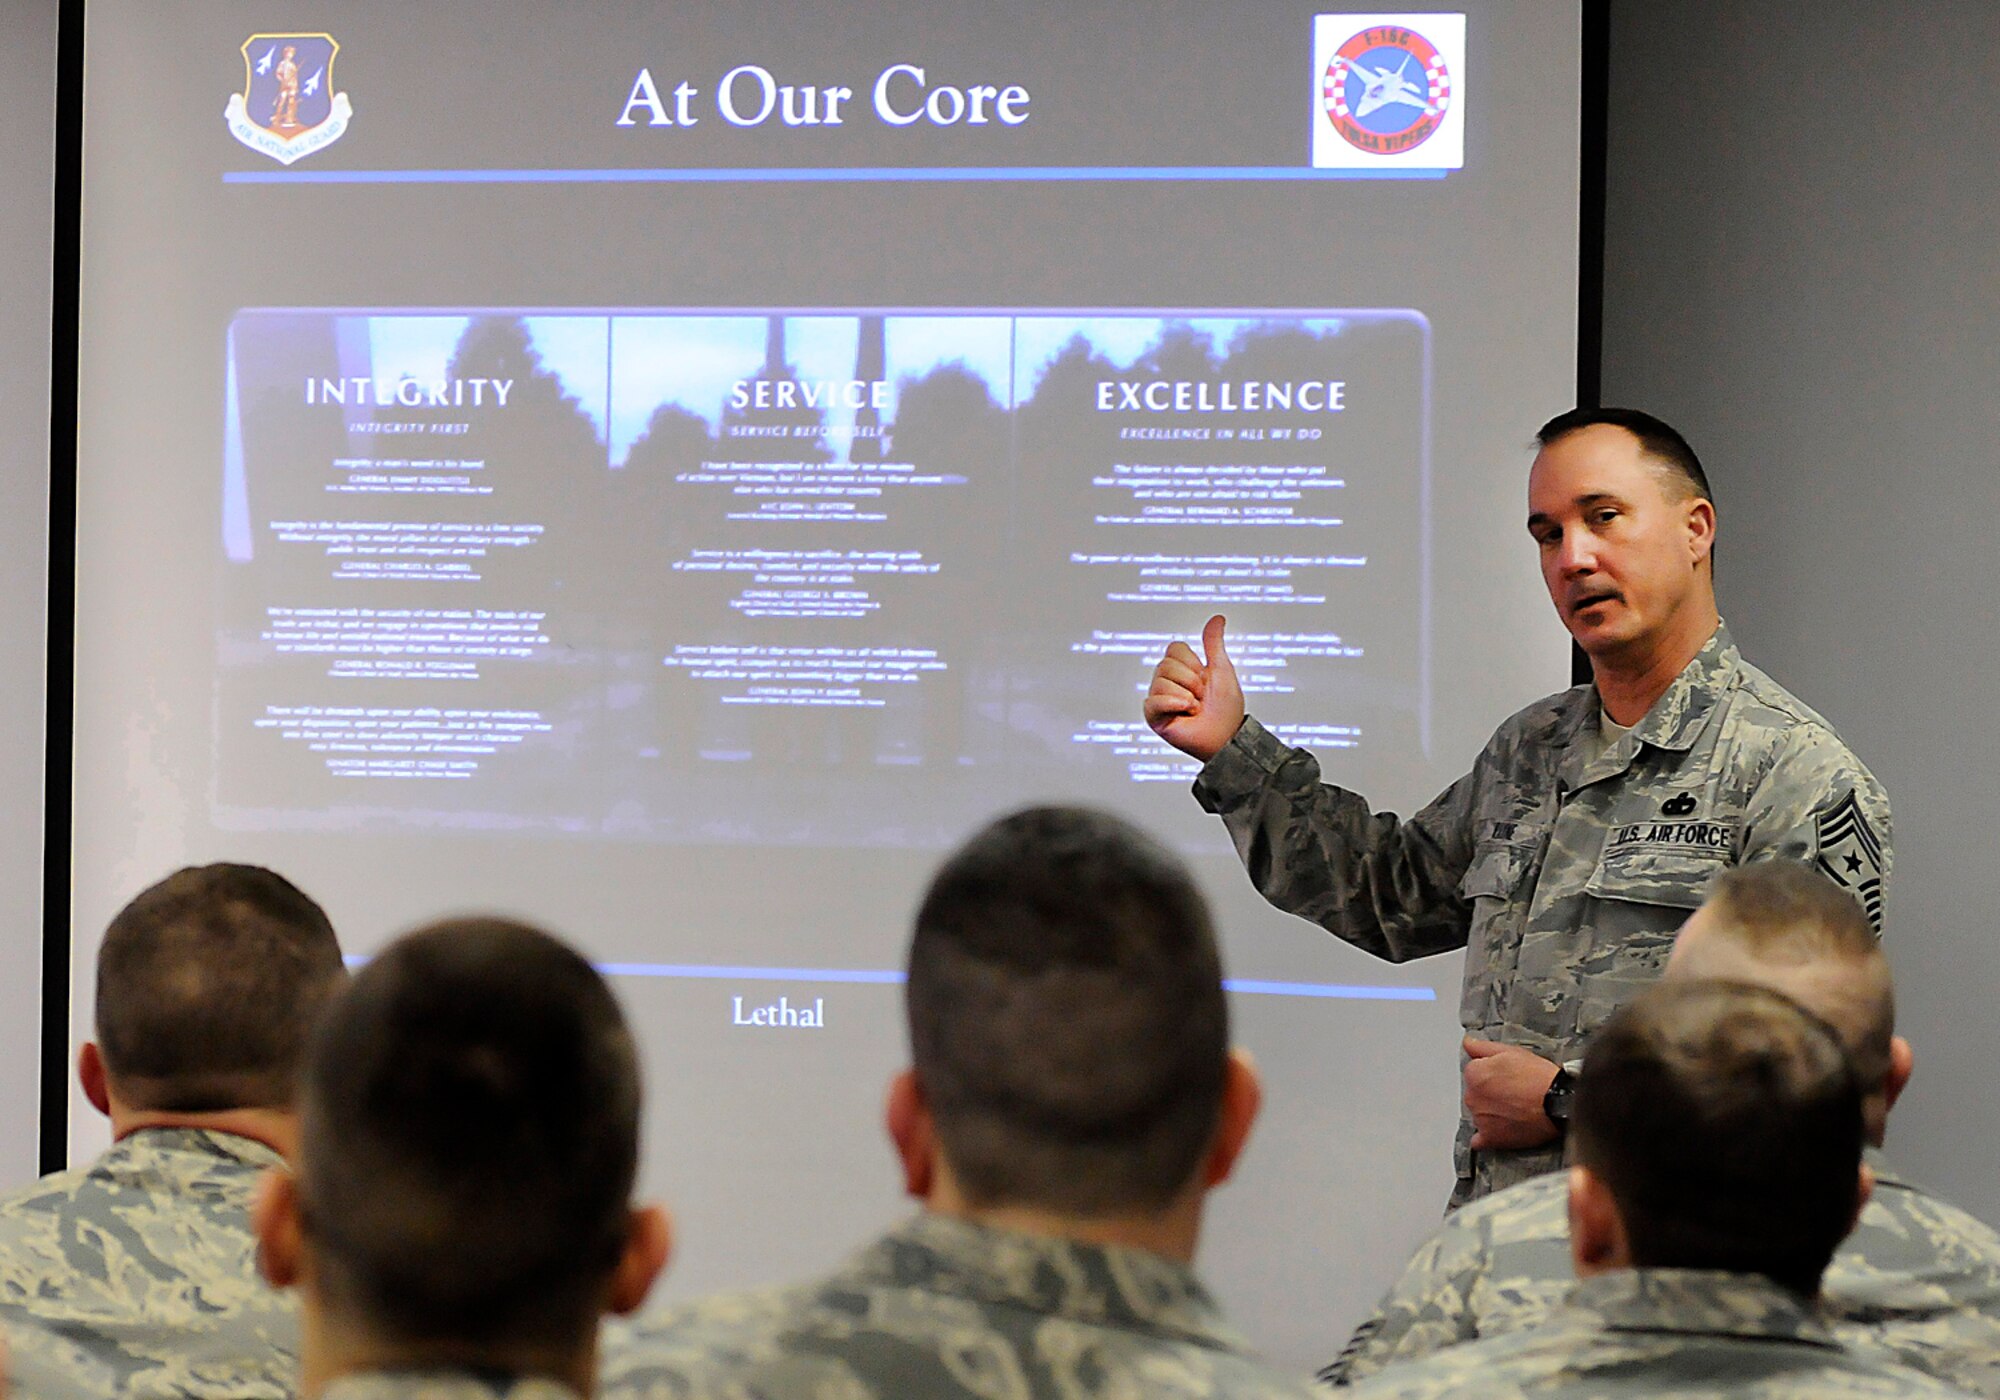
x: 1781, y: 924
x: 207, y: 988
x: 1069, y: 1033
x: 469, y: 1142
x: 1717, y: 1126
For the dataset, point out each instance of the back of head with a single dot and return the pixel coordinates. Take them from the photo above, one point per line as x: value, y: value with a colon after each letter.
x: 207, y: 988
x: 1067, y: 1019
x: 1781, y: 924
x: 1681, y: 470
x: 1725, y: 1121
x: 471, y: 1113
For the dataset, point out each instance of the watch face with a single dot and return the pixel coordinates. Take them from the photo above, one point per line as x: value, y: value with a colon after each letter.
x: 1556, y: 1103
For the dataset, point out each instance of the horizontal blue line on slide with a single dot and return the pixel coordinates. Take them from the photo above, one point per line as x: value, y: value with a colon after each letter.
x: 711, y: 972
x: 813, y: 175
x: 889, y: 975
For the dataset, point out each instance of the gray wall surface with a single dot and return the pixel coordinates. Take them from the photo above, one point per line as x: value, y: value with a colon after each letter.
x: 1803, y: 275
x: 27, y: 165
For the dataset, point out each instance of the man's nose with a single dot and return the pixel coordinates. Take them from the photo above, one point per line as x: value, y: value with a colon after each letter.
x: 1578, y: 553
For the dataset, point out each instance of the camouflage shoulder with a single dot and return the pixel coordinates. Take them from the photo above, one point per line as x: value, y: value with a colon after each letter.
x: 1497, y: 1264
x: 1770, y: 703
x: 40, y: 1200
x: 668, y: 1350
x: 1531, y: 1209
x: 1493, y: 1369
x: 1539, y: 720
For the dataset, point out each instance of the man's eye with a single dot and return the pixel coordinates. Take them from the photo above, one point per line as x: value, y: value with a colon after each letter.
x: 1604, y: 516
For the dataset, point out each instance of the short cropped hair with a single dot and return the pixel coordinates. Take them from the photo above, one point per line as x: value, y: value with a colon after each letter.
x: 1725, y: 1120
x: 1067, y: 1018
x: 1682, y: 476
x: 470, y: 1139
x: 207, y: 988
x: 1790, y: 919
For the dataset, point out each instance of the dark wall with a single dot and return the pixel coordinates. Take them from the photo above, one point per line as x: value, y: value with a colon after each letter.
x: 1803, y: 274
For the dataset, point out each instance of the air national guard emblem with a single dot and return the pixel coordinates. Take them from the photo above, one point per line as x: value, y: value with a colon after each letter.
x: 1850, y: 854
x: 1386, y: 90
x: 288, y: 108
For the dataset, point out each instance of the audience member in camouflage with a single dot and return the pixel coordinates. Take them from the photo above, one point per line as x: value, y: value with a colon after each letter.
x: 1918, y: 1281
x: 140, y: 1270
x: 460, y: 1218
x: 944, y: 1308
x: 135, y: 1276
x: 1718, y: 1135
x: 1592, y: 821
x: 1071, y: 1101
x: 1667, y: 1333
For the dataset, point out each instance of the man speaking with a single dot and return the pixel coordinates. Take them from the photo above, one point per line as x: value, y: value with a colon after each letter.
x: 1592, y: 821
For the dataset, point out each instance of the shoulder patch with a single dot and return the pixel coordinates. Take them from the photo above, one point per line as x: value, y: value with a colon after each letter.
x: 1850, y: 853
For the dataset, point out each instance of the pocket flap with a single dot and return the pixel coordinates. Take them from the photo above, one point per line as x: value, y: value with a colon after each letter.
x: 1676, y: 879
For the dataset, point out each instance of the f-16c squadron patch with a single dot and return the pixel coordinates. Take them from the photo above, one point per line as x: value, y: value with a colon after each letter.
x: 1386, y: 89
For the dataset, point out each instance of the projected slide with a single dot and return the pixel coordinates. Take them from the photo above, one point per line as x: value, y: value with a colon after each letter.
x: 672, y: 472
x: 666, y: 574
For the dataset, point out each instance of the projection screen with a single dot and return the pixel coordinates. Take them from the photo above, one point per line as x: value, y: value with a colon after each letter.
x: 670, y: 473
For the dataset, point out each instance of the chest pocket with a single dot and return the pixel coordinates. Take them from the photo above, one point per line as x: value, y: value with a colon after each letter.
x: 1644, y: 896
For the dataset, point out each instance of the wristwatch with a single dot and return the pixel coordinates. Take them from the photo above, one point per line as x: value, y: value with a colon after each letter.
x: 1556, y: 1102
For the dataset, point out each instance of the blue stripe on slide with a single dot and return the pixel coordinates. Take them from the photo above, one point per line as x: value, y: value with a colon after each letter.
x: 890, y: 976
x: 618, y: 175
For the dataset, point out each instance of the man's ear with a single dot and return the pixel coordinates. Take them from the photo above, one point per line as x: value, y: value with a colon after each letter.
x: 1902, y: 1064
x: 649, y: 1239
x: 91, y: 1074
x: 914, y: 1131
x: 1242, y: 1096
x: 1700, y: 528
x: 274, y: 1217
x: 1597, y: 1242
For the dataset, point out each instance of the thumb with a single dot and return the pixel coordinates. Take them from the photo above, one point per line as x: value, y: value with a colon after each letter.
x: 1211, y: 640
x: 1480, y: 1049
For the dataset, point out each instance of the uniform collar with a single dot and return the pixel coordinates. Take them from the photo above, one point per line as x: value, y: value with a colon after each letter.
x: 1677, y: 716
x: 1700, y: 1301
x: 443, y: 1383
x: 1107, y: 1285
x: 203, y: 1142
x: 1674, y: 722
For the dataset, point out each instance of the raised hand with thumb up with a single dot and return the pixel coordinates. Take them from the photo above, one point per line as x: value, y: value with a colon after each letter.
x: 1195, y: 703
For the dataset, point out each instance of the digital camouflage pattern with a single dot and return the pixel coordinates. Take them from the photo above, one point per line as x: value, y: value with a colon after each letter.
x: 1563, y: 867
x: 136, y: 1276
x: 442, y: 1383
x: 1680, y: 1333
x: 1918, y: 1282
x: 944, y: 1308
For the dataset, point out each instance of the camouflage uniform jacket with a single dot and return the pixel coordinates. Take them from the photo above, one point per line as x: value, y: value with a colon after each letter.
x: 942, y: 1308
x: 136, y: 1276
x: 1917, y: 1282
x: 1661, y: 1332
x: 444, y: 1383
x: 1563, y: 871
